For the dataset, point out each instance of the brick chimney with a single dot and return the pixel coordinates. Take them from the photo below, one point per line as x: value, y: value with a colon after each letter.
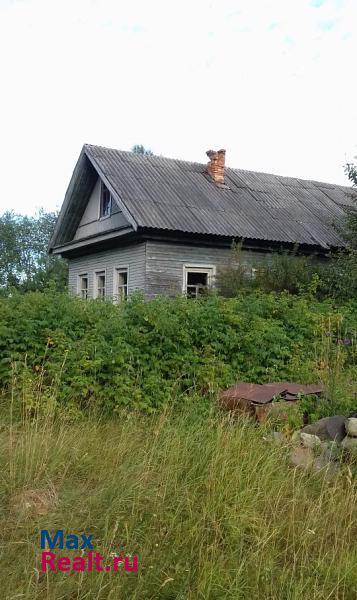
x: 215, y: 167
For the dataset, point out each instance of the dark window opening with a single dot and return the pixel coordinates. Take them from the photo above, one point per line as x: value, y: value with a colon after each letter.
x: 84, y: 286
x: 105, y: 202
x: 122, y: 285
x: 101, y: 285
x: 197, y: 283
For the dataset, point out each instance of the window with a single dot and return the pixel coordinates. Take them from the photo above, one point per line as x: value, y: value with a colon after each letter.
x: 105, y: 208
x: 253, y: 273
x: 121, y: 279
x: 83, y: 286
x: 197, y: 279
x: 100, y: 284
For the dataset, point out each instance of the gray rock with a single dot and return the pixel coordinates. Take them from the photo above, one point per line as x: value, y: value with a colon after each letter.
x: 321, y: 463
x: 351, y: 427
x: 302, y: 457
x: 309, y: 440
x: 328, y: 428
x: 350, y: 444
x: 331, y: 450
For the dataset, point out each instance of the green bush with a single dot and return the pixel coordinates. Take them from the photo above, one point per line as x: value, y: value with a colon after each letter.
x: 333, y: 276
x: 145, y: 354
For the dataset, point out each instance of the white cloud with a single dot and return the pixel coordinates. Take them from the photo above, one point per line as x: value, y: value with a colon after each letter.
x: 269, y: 80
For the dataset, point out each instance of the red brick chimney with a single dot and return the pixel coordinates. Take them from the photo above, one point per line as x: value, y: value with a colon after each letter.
x: 215, y: 167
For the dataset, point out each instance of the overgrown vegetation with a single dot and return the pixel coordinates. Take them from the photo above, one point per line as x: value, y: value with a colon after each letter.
x: 212, y: 509
x: 143, y: 355
x: 332, y: 277
x: 24, y: 262
x: 351, y: 233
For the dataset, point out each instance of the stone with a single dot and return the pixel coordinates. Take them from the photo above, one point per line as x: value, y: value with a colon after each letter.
x: 309, y: 440
x: 328, y: 428
x: 331, y: 450
x: 351, y: 427
x: 321, y: 463
x: 350, y: 444
x: 302, y: 457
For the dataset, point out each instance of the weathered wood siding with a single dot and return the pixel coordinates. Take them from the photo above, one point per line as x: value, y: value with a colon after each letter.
x: 155, y: 268
x: 132, y: 256
x: 90, y: 223
x: 165, y: 264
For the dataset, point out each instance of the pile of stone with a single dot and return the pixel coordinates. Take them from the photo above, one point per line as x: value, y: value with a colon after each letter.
x: 323, y: 443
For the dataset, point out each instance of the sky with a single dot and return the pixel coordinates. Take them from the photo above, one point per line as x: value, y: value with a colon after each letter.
x: 271, y: 81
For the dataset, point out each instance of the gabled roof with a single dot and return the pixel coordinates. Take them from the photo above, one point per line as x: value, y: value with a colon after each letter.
x: 157, y: 193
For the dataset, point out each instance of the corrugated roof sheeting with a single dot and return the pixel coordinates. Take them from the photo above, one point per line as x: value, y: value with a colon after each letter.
x: 177, y: 195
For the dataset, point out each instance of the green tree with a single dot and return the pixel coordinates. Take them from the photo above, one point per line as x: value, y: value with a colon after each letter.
x: 24, y: 262
x: 351, y: 171
x: 140, y: 149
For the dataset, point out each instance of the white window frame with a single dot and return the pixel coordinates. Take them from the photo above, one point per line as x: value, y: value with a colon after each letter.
x: 100, y: 216
x: 98, y: 272
x: 82, y: 276
x: 117, y: 270
x: 210, y: 270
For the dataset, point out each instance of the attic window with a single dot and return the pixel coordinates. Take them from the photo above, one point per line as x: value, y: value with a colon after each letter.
x: 105, y: 207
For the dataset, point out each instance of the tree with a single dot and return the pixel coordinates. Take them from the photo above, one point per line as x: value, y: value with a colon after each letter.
x: 140, y: 149
x: 351, y: 171
x: 24, y: 262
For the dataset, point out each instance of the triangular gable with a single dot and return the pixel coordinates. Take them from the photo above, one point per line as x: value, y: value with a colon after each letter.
x: 79, y: 193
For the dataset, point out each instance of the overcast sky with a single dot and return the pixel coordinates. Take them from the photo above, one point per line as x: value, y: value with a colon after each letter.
x: 272, y: 81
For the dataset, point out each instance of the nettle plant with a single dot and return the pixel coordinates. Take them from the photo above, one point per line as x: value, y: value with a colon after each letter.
x: 145, y: 355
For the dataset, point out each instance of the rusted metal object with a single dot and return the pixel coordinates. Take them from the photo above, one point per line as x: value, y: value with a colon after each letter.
x: 260, y: 400
x: 280, y: 409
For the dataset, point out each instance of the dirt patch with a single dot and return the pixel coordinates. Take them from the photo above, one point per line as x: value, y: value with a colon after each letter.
x: 34, y: 502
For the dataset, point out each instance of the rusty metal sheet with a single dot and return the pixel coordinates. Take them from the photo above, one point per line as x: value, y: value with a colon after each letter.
x: 243, y: 394
x: 277, y: 409
x: 237, y: 405
x: 291, y: 390
x: 254, y: 392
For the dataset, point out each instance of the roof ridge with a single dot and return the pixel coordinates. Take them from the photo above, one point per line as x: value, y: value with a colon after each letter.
x: 228, y: 168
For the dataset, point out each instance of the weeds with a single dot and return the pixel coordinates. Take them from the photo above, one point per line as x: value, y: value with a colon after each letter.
x: 146, y: 354
x: 212, y: 509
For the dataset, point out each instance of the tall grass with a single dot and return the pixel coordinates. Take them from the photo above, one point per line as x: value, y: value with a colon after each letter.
x: 212, y: 508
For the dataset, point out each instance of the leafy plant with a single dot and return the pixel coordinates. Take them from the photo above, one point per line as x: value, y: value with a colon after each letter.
x: 146, y: 355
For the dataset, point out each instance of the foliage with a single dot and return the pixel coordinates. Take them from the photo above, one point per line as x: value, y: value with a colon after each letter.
x: 339, y: 397
x: 286, y: 271
x: 24, y: 262
x: 144, y: 355
x: 351, y: 170
x: 140, y: 149
x: 236, y: 276
x: 337, y: 277
x: 333, y: 276
x: 213, y: 511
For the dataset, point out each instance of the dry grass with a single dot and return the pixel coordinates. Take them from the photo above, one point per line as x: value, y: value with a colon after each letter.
x: 213, y: 510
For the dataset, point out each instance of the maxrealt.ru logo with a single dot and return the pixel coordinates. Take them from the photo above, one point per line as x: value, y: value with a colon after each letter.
x: 92, y: 561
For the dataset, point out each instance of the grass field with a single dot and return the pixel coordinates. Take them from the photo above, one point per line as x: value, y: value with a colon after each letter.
x: 212, y: 509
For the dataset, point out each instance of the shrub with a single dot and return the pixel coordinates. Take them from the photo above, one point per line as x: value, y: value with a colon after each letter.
x: 146, y: 354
